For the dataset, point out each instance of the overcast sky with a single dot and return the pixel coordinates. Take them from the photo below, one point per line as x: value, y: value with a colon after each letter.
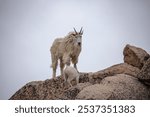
x: 28, y: 28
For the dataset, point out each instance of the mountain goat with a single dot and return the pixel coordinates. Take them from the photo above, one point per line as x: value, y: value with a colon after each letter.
x: 70, y: 73
x: 66, y: 49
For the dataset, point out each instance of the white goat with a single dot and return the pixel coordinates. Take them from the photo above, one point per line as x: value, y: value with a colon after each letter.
x: 70, y: 73
x: 66, y: 49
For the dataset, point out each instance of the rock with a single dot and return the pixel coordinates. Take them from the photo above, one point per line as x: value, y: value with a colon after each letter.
x: 48, y: 89
x: 55, y: 89
x: 72, y: 92
x: 119, y: 87
x: 84, y: 77
x: 122, y: 81
x: 122, y: 68
x: 135, y: 56
x: 144, y: 74
x: 95, y: 92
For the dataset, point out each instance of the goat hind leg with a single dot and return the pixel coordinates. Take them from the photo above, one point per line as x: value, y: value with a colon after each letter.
x: 77, y: 80
x: 54, y: 66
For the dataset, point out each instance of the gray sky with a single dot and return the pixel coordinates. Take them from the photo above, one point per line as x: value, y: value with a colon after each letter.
x: 28, y: 28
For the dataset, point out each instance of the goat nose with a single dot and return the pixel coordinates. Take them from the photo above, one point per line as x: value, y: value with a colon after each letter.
x: 79, y: 43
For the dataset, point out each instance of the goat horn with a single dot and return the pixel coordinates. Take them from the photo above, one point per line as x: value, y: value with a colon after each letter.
x: 81, y: 30
x: 75, y: 30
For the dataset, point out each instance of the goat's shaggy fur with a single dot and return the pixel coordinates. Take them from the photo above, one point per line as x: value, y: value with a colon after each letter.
x: 66, y: 50
x: 70, y: 73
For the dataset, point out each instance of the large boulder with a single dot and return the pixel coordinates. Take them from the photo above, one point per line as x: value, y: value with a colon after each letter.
x: 118, y: 87
x: 144, y: 74
x: 122, y: 68
x: 135, y: 56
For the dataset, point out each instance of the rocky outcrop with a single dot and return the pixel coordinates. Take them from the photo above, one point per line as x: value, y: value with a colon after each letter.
x: 72, y: 92
x: 129, y: 80
x: 48, y: 89
x: 144, y: 74
x: 135, y: 56
x: 122, y: 68
x: 118, y: 87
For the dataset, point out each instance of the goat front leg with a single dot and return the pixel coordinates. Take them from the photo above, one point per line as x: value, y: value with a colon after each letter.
x: 75, y: 66
x: 61, y: 68
x: 75, y: 61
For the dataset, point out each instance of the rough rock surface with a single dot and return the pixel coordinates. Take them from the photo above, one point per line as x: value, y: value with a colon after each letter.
x: 144, y: 74
x: 135, y: 56
x: 122, y: 81
x: 49, y: 89
x: 72, y: 92
x: 122, y: 68
x: 119, y: 87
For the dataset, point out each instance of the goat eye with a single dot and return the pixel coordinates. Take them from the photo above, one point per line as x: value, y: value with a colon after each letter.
x: 74, y: 34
